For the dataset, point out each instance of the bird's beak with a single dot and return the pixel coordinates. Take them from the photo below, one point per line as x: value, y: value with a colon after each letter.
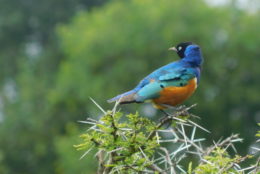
x: 173, y: 49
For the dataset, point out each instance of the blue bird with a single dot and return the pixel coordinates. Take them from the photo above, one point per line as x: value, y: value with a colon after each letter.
x: 171, y: 84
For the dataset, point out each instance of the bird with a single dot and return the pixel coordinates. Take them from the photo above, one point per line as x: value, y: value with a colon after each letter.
x: 169, y: 85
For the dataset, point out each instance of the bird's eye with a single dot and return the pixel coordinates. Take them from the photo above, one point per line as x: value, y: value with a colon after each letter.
x: 179, y: 48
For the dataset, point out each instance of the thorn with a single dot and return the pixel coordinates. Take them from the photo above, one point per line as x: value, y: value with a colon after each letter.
x: 97, y: 105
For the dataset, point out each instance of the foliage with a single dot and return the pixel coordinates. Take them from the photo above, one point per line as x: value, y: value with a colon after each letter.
x: 218, y: 161
x: 29, y: 59
x: 135, y: 145
x: 127, y: 142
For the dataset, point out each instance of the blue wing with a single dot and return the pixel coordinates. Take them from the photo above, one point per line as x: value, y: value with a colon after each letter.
x: 169, y: 75
x: 173, y: 74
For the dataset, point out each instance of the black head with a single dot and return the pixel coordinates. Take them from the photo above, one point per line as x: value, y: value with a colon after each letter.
x: 180, y: 48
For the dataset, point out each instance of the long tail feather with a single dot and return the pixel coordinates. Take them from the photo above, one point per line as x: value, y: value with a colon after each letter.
x: 127, y: 97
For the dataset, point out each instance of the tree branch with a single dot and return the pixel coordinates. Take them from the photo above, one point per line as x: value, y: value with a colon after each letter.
x: 169, y: 118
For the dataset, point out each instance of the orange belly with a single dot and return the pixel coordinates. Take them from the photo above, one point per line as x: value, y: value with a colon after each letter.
x: 175, y: 95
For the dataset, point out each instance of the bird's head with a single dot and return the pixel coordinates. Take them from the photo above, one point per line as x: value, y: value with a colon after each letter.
x: 189, y: 51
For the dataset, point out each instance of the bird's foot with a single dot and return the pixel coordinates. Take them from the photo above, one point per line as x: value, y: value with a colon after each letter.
x: 180, y: 108
x: 183, y: 111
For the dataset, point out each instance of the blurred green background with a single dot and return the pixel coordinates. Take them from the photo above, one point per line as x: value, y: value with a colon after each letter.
x: 56, y: 54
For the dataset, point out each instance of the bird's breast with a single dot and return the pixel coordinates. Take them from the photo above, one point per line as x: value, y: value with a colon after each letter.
x: 175, y: 95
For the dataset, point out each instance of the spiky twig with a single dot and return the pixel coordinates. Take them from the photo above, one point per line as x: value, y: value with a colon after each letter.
x: 132, y: 146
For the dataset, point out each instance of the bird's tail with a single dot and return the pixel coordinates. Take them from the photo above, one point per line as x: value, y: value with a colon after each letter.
x: 127, y: 97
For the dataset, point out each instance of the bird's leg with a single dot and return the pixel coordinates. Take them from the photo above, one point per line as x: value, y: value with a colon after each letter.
x: 176, y: 109
x: 180, y: 109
